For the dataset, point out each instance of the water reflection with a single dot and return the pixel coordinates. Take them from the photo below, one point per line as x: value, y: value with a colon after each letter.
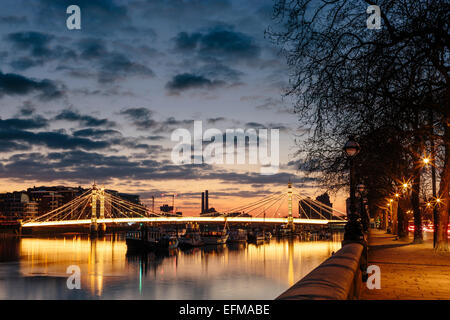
x: 35, y: 268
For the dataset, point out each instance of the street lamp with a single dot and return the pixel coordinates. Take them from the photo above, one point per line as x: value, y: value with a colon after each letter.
x: 353, y: 228
x: 352, y: 148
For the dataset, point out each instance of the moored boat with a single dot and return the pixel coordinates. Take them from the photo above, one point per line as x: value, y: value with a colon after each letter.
x: 214, y: 236
x: 192, y: 237
x: 256, y: 236
x: 150, y: 238
x: 237, y: 235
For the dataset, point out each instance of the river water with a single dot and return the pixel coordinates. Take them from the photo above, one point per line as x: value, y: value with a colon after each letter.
x: 36, y: 268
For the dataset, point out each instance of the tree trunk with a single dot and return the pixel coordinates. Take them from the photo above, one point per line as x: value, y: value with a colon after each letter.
x: 443, y: 209
x: 415, y: 202
x: 402, y: 220
x: 415, y: 195
x: 394, y: 208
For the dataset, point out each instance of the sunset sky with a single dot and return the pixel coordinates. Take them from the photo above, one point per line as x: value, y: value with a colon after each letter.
x: 101, y: 103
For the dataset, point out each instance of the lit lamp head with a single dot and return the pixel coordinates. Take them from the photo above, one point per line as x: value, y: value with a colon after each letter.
x: 352, y: 147
x: 426, y: 161
x: 361, y: 188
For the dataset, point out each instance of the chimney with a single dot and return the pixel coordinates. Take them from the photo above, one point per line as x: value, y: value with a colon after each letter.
x: 153, y: 204
x: 206, y: 201
x: 203, y: 202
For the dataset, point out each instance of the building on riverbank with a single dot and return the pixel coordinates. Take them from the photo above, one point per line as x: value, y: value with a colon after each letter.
x: 17, y: 205
x: 35, y: 201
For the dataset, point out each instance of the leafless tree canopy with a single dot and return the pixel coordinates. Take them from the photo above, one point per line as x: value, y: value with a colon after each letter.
x: 387, y: 87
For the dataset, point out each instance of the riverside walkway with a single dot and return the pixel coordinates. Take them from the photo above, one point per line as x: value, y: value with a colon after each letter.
x: 408, y: 271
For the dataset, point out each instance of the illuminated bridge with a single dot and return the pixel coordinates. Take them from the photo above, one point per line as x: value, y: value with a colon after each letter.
x: 97, y: 208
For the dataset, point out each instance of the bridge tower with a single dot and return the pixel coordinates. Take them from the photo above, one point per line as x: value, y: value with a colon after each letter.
x: 101, y: 195
x: 94, y: 210
x: 290, y: 217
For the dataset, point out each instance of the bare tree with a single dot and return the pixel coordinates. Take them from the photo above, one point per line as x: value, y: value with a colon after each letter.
x: 349, y: 79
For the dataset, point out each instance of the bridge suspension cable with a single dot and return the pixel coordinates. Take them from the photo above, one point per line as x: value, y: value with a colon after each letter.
x: 252, y: 204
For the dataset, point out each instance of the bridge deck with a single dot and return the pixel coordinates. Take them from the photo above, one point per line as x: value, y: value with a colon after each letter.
x: 181, y: 219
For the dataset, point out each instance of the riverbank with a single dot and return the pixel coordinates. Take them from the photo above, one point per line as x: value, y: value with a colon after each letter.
x: 408, y: 271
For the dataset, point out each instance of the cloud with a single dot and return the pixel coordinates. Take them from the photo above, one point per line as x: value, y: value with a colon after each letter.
x: 51, y: 139
x: 36, y: 42
x: 185, y: 81
x: 141, y: 117
x: 16, y: 123
x: 218, y: 70
x: 37, y: 48
x: 79, y: 165
x: 27, y: 109
x: 116, y: 66
x: 15, y: 84
x: 11, y: 146
x: 92, y: 48
x: 154, y: 138
x: 220, y: 42
x: 185, y: 41
x: 24, y: 63
x: 215, y: 120
x: 95, y: 133
x: 86, y: 120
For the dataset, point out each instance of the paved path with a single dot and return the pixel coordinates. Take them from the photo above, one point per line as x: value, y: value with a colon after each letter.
x: 408, y: 271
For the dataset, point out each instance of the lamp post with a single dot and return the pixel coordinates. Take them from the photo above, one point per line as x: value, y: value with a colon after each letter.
x: 353, y: 228
x: 365, y: 220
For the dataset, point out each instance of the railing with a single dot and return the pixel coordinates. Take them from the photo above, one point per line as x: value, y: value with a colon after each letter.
x: 338, y: 278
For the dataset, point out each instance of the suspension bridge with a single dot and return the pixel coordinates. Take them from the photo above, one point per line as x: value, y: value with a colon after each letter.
x: 96, y: 207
